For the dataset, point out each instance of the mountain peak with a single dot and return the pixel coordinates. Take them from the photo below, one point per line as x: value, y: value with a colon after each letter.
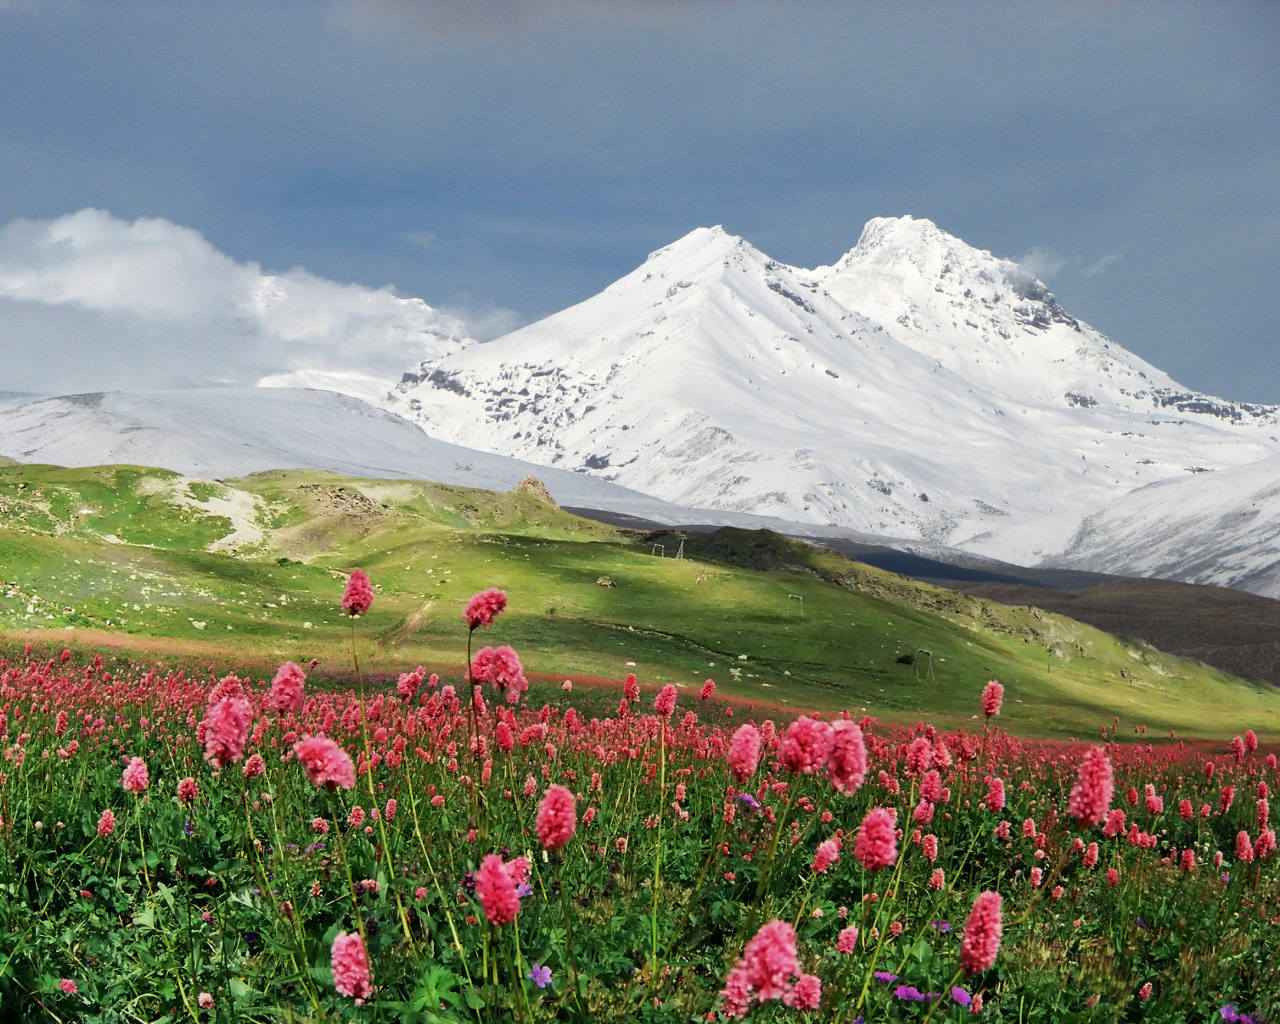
x: 701, y: 245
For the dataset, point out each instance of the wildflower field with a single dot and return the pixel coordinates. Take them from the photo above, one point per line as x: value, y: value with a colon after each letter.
x: 418, y: 848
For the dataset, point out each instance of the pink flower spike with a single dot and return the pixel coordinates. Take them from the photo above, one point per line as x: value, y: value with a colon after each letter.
x: 107, y: 823
x: 664, y: 705
x: 847, y: 758
x: 483, y: 608
x: 557, y: 818
x: 226, y: 731
x: 805, y: 746
x: 744, y: 752
x: 1094, y: 789
x: 876, y: 846
x: 351, y: 967
x: 326, y: 763
x: 828, y: 853
x: 286, y: 689
x: 807, y: 994
x: 847, y: 939
x: 992, y: 698
x: 135, y: 776
x: 982, y: 931
x: 771, y: 961
x: 496, y: 891
x: 358, y: 597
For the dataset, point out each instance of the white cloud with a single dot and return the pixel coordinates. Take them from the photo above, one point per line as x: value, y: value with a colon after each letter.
x: 1042, y: 263
x: 91, y: 302
x: 1098, y: 266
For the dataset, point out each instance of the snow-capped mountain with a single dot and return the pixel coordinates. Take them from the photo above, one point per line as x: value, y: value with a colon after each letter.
x: 917, y: 388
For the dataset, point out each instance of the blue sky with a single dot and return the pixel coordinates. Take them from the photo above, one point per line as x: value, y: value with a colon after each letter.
x: 505, y: 159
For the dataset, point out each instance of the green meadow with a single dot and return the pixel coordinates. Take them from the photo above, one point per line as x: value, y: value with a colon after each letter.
x: 144, y: 560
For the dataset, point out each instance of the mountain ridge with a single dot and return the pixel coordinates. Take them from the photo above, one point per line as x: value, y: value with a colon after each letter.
x: 916, y: 388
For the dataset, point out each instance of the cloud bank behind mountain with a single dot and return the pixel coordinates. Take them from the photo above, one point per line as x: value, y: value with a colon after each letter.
x: 89, y: 302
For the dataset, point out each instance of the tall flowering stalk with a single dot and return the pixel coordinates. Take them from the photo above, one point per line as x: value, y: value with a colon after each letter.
x: 556, y: 822
x: 357, y: 599
x: 981, y: 941
x: 135, y: 780
x: 664, y: 706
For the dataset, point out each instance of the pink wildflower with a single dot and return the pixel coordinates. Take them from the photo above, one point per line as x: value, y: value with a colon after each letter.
x: 805, y: 745
x: 807, y: 993
x: 107, y: 823
x: 286, y: 689
x: 771, y: 961
x: 228, y: 686
x: 876, y: 847
x: 992, y: 698
x: 919, y: 755
x: 557, y: 818
x: 631, y: 689
x: 736, y: 992
x: 1144, y: 993
x: 744, y: 752
x: 496, y: 890
x: 68, y: 986
x: 846, y: 940
x: 326, y: 763
x: 501, y: 667
x: 708, y: 689
x: 828, y: 853
x: 205, y: 1001
x: 187, y: 790
x: 226, y: 731
x: 1244, y: 847
x: 995, y: 793
x: 351, y: 967
x: 357, y: 599
x: 1094, y: 789
x: 664, y: 705
x: 135, y: 776
x: 847, y: 758
x: 982, y: 931
x: 408, y: 682
x: 483, y: 608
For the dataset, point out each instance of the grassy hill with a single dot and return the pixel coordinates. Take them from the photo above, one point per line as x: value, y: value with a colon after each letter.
x: 252, y: 569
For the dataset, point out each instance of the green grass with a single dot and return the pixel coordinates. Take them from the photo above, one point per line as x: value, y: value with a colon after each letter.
x: 121, y: 554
